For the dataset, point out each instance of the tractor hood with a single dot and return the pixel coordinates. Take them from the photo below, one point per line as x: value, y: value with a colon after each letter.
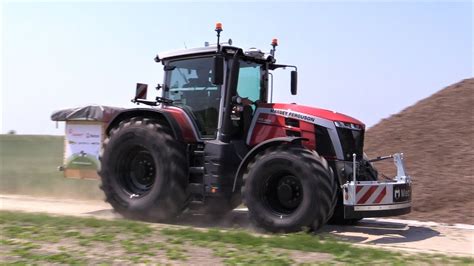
x: 312, y: 111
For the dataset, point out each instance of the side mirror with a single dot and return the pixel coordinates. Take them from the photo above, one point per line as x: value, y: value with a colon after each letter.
x: 218, y: 70
x: 294, y: 82
x: 141, y: 91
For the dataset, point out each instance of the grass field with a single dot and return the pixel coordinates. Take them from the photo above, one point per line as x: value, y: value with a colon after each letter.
x: 28, y: 165
x: 41, y: 239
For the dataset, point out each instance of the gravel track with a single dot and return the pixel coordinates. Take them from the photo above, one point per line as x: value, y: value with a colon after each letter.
x: 402, y: 235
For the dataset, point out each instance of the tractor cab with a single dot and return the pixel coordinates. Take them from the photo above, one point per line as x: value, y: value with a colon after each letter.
x: 189, y: 85
x: 219, y: 87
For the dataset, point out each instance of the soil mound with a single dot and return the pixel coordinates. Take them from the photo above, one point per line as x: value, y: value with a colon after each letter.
x: 436, y: 136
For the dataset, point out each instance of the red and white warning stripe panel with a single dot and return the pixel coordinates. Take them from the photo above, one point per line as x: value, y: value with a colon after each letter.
x: 373, y: 194
x: 141, y: 91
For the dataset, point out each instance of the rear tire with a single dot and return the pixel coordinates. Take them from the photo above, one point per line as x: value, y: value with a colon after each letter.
x: 144, y: 171
x: 288, y: 188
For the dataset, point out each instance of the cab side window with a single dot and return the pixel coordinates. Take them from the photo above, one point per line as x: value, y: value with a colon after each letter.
x: 249, y: 83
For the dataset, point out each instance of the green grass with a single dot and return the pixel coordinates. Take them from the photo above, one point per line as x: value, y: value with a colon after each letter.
x: 300, y: 241
x: 43, y: 239
x: 28, y: 165
x: 27, y: 235
x: 343, y: 252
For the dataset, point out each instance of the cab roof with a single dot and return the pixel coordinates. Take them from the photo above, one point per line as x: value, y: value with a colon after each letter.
x: 252, y: 52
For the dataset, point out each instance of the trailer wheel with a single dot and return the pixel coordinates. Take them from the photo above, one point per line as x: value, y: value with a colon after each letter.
x: 288, y: 188
x: 144, y: 171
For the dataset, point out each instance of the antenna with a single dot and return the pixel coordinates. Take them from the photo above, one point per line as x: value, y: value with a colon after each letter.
x: 218, y: 30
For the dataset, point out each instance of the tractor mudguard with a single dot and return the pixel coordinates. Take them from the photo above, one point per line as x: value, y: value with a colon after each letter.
x: 255, y: 150
x: 158, y: 114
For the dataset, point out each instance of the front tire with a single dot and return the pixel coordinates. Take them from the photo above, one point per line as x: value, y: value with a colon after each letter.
x: 144, y: 171
x: 288, y: 188
x: 367, y: 173
x: 338, y: 215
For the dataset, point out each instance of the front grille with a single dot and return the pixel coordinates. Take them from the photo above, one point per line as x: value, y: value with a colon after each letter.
x: 352, y: 141
x: 323, y: 142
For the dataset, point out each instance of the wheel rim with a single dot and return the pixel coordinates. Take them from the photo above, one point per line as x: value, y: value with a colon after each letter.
x: 282, y: 193
x: 137, y: 171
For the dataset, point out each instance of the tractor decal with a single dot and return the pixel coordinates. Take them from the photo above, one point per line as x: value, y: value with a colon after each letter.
x: 296, y: 115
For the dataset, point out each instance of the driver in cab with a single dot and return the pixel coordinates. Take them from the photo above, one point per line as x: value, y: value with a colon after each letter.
x: 202, y: 80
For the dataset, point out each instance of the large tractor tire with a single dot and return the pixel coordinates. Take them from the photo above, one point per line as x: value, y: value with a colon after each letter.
x: 144, y: 171
x: 338, y: 215
x: 288, y: 188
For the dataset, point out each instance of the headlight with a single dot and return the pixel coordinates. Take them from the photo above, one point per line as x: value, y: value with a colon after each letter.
x: 347, y: 125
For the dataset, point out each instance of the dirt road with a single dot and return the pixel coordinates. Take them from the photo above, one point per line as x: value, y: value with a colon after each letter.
x: 403, y: 235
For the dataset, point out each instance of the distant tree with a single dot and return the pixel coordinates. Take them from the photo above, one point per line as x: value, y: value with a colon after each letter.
x: 11, y: 132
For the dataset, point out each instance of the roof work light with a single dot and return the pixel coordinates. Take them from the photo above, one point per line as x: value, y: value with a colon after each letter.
x: 218, y: 27
x: 218, y: 30
x: 274, y: 44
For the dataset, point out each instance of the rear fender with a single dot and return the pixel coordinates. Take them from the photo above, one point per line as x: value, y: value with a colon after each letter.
x: 158, y: 114
x: 257, y: 149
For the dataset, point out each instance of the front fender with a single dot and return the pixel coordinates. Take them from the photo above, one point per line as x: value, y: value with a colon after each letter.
x: 257, y: 149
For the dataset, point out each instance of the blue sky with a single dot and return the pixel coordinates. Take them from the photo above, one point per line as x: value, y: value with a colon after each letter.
x: 366, y: 59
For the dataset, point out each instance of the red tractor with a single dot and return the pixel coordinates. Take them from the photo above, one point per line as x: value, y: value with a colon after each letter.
x: 214, y: 139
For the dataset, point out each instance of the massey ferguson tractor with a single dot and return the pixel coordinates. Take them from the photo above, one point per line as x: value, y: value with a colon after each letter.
x: 214, y: 140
